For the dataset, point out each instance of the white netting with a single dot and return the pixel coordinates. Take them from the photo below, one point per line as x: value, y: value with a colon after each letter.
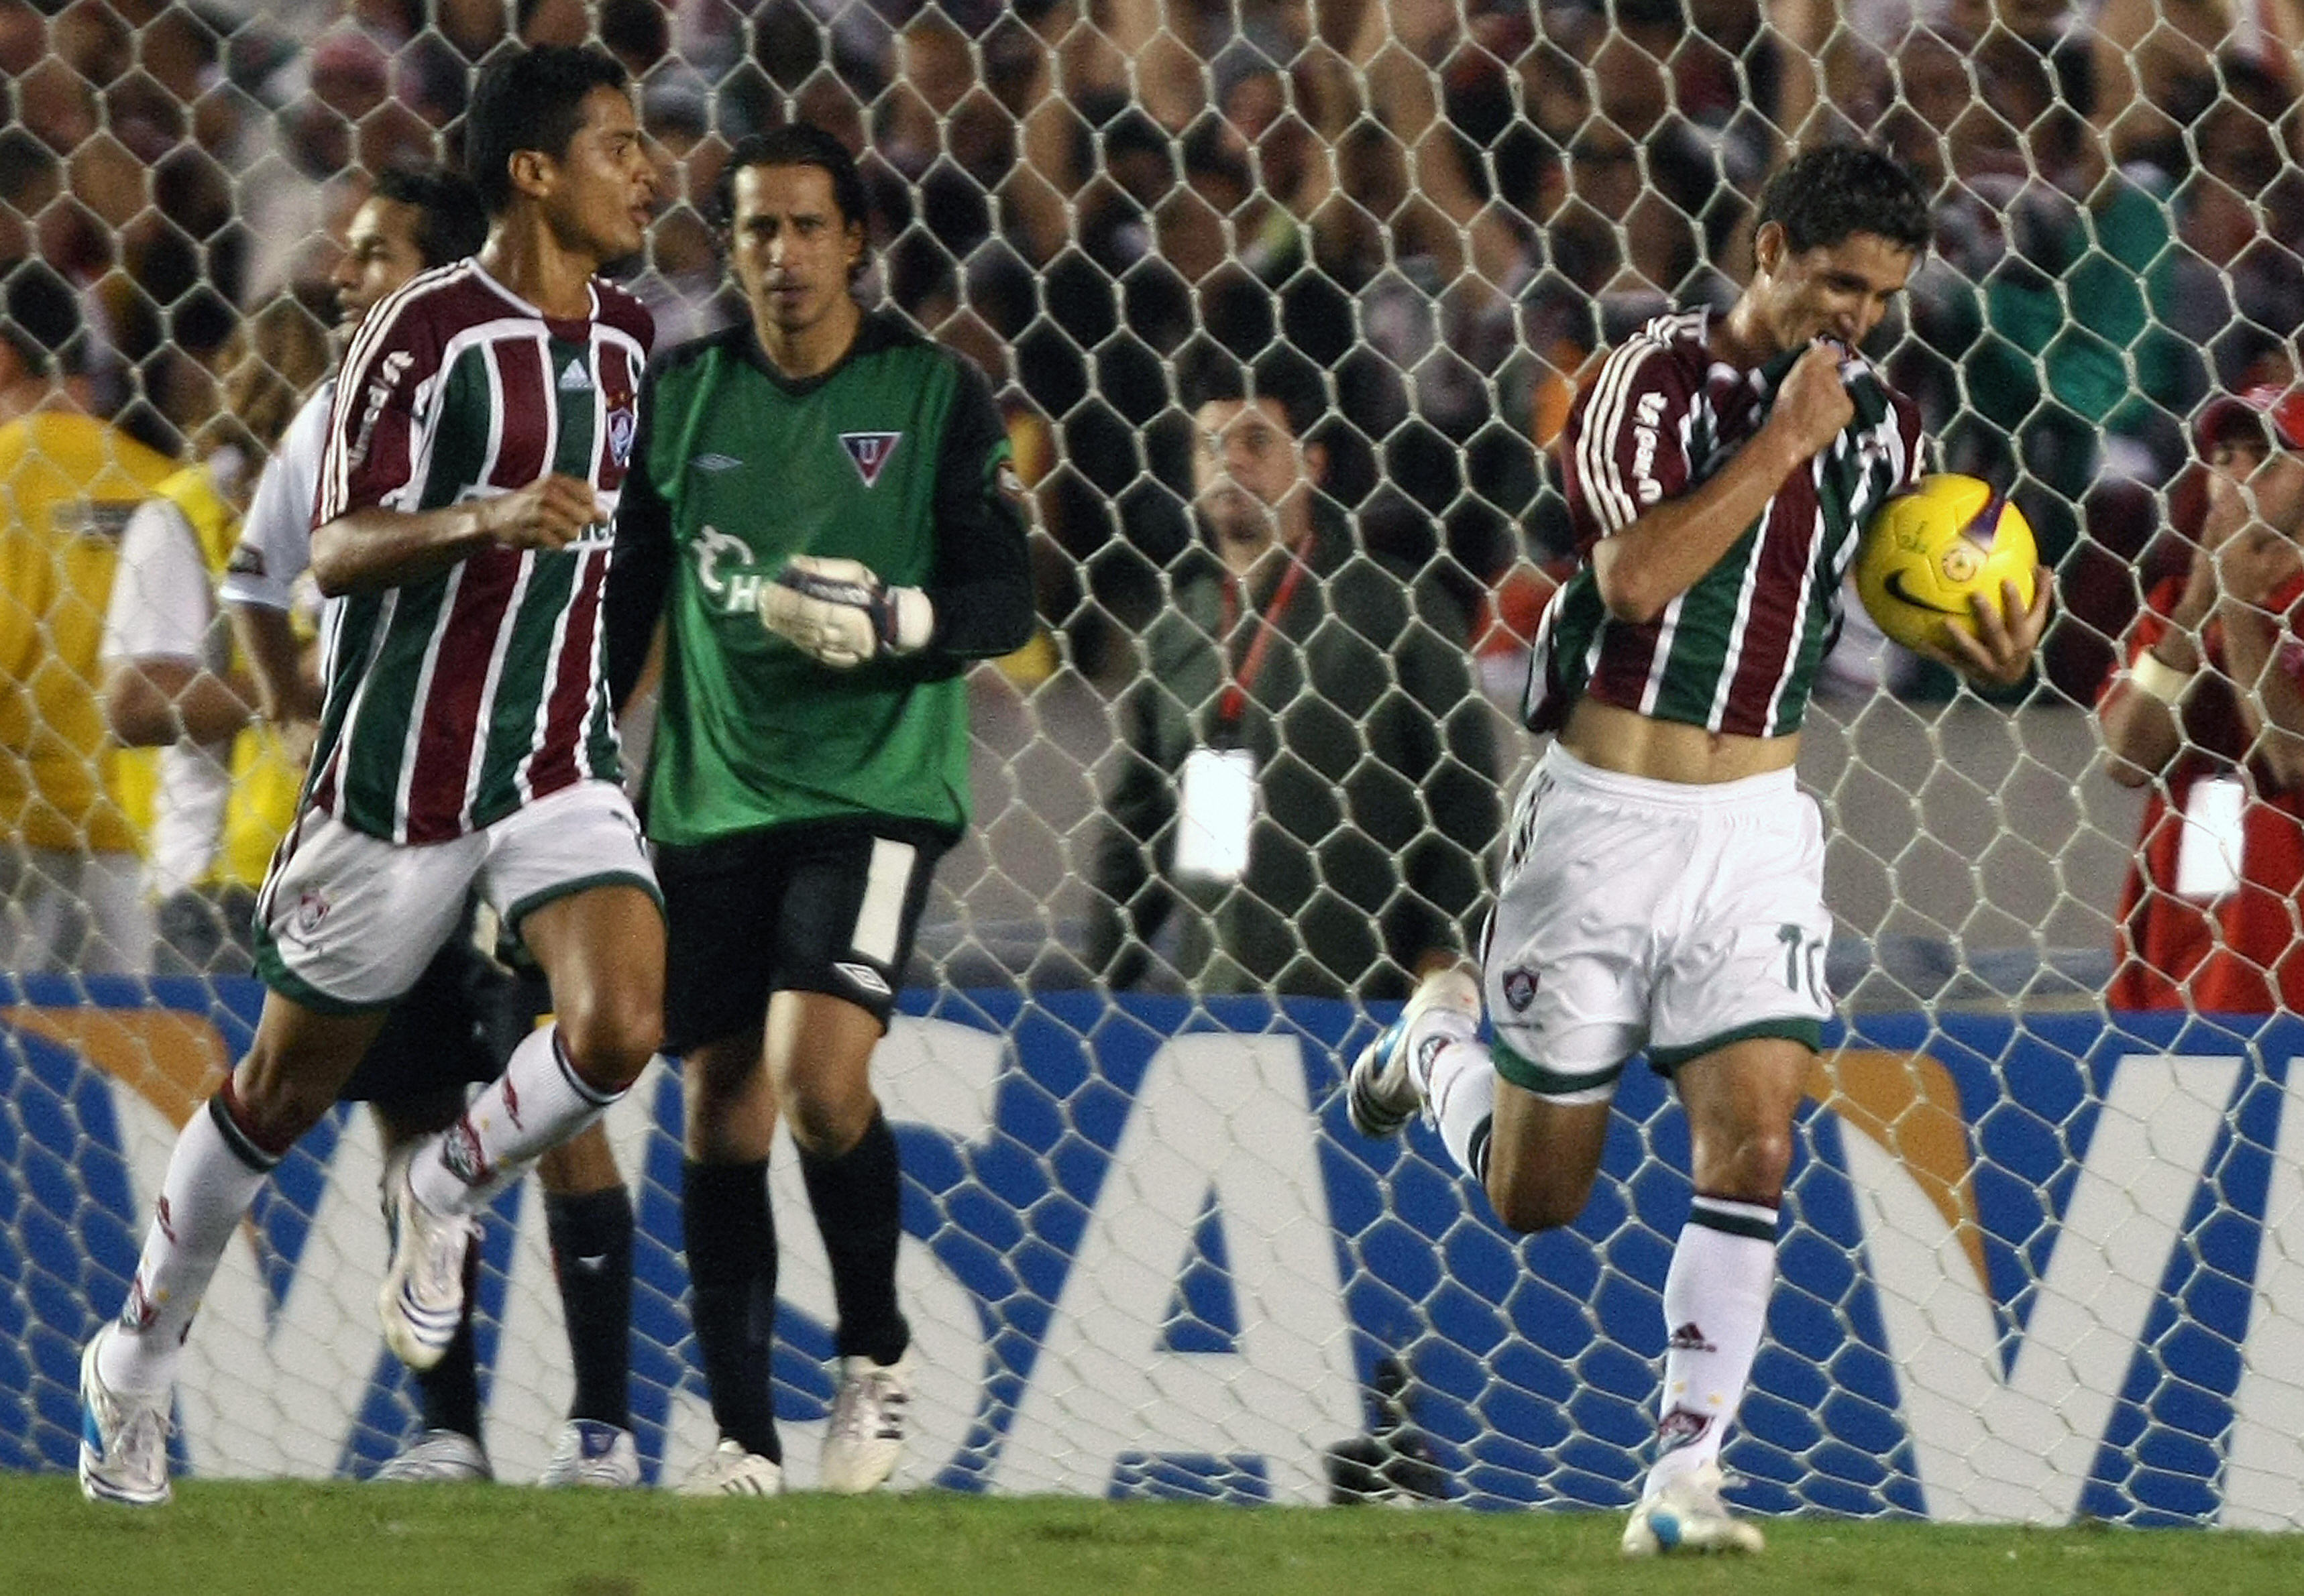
x: 2038, y: 1261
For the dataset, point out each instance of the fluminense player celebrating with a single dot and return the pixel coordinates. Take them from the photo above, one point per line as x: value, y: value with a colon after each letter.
x: 482, y: 427
x: 823, y: 515
x: 450, y: 1030
x: 1663, y: 888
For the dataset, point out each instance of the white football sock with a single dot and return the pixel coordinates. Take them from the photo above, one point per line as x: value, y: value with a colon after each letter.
x: 1460, y: 1090
x: 213, y: 1176
x: 538, y: 1102
x: 1715, y: 1306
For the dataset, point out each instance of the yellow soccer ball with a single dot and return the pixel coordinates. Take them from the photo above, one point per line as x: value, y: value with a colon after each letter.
x: 1931, y: 548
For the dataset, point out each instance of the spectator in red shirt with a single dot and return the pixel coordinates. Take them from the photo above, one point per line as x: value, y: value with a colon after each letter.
x: 2209, y: 715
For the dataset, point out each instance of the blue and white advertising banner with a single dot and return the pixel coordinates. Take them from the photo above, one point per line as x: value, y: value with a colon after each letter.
x: 2031, y: 1270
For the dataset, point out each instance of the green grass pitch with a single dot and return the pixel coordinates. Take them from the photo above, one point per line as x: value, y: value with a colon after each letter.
x: 341, y: 1540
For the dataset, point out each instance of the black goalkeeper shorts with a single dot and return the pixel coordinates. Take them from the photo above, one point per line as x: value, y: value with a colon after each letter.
x: 817, y: 905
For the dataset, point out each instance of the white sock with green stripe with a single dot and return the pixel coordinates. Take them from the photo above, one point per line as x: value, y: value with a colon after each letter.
x: 1459, y: 1081
x: 1715, y: 1306
x: 538, y: 1102
x: 212, y: 1177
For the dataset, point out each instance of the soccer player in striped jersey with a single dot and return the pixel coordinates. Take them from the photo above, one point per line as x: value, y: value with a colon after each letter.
x: 1662, y: 884
x: 456, y: 1027
x: 480, y: 434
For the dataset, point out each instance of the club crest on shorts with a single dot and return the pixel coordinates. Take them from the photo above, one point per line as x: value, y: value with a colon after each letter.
x: 1520, y: 989
x: 311, y: 909
x: 870, y: 452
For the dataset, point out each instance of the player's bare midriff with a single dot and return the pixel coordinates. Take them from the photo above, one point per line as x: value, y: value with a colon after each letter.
x: 1632, y: 744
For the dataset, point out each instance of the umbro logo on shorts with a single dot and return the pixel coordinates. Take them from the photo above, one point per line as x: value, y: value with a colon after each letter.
x: 864, y: 977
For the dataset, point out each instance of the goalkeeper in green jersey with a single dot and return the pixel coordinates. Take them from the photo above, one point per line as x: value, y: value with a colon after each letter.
x: 823, y: 523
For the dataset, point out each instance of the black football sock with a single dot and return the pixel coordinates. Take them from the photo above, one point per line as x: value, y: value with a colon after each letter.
x: 592, y: 1259
x: 448, y: 1393
x: 730, y: 1238
x: 859, y: 1202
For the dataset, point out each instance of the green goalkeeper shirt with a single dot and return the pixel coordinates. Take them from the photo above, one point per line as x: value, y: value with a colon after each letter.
x: 897, y: 458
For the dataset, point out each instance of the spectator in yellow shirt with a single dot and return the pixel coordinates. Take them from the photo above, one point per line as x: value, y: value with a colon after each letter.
x: 227, y: 785
x: 72, y: 893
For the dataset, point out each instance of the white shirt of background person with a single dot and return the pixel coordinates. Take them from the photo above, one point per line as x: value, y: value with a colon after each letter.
x: 163, y: 607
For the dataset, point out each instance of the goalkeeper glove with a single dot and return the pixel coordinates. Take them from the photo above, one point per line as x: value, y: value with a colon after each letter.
x: 839, y: 614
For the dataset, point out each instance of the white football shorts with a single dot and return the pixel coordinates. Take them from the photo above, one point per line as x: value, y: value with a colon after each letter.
x: 1636, y: 913
x: 346, y: 922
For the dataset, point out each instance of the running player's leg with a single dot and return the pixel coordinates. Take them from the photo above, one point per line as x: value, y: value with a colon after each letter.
x: 569, y: 877
x: 1739, y: 1103
x: 1738, y: 1017
x: 223, y: 1156
x: 347, y: 923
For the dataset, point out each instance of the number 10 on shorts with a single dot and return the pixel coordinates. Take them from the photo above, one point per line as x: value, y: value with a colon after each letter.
x: 1803, y: 961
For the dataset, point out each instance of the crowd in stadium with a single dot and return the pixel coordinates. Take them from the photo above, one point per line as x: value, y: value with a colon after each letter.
x: 1447, y: 208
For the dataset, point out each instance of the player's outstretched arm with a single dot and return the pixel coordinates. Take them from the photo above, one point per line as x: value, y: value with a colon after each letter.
x: 368, y: 549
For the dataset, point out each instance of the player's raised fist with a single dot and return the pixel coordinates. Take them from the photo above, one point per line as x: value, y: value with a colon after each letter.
x: 1812, y: 403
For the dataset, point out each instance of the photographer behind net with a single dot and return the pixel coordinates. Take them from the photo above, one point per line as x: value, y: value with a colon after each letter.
x: 1308, y: 782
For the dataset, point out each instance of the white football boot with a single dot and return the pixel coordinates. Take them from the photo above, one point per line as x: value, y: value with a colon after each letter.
x: 588, y: 1452
x: 865, y: 1440
x: 436, y: 1457
x: 422, y: 1302
x: 732, y: 1471
x: 123, y: 1438
x: 1687, y: 1516
x: 1386, y: 1090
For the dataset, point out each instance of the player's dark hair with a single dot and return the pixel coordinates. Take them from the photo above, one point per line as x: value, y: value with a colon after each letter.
x: 1822, y: 196
x: 450, y: 220
x: 796, y: 144
x: 1208, y: 375
x: 530, y: 100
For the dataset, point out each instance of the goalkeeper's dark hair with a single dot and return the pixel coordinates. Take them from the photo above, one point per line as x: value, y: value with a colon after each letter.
x: 1207, y: 375
x: 796, y: 144
x: 530, y: 100
x: 451, y: 220
x: 1822, y: 196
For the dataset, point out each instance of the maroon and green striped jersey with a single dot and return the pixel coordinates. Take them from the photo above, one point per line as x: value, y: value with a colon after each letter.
x: 456, y: 698
x: 1738, y: 650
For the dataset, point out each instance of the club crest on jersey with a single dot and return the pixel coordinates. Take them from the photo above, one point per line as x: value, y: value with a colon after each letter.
x: 623, y: 426
x: 870, y: 452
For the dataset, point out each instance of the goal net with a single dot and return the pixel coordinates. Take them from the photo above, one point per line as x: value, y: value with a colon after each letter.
x: 2042, y: 1256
